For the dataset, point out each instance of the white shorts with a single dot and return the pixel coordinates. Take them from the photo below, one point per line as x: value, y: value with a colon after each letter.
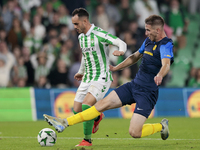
x: 97, y: 88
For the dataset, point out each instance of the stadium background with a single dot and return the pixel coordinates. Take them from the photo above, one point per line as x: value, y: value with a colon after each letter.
x: 39, y: 54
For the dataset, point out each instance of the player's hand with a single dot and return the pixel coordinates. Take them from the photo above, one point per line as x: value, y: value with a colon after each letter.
x: 158, y: 80
x: 118, y: 53
x: 112, y: 68
x: 78, y: 76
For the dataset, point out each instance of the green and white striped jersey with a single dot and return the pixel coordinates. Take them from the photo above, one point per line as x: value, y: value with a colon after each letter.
x: 94, y: 45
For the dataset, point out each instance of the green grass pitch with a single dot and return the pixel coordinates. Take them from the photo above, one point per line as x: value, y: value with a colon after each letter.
x: 112, y: 135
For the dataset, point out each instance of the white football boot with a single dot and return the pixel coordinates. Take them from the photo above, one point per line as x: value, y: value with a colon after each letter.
x: 165, y: 130
x: 58, y: 123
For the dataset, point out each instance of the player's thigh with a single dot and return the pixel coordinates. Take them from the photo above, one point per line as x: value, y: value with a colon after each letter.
x: 125, y: 93
x: 145, y: 101
x: 89, y: 99
x: 109, y: 102
x: 136, y: 124
x: 99, y: 88
x: 81, y: 92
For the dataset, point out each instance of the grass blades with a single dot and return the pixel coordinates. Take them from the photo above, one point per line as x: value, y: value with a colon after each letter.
x: 112, y: 135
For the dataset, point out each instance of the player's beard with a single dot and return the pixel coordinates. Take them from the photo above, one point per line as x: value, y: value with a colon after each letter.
x: 81, y: 30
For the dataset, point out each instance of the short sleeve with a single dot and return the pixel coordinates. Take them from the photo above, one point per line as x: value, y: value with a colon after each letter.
x: 141, y: 49
x: 166, y: 51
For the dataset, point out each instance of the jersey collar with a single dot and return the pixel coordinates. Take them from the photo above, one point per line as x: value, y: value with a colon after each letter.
x: 159, y: 41
x: 90, y: 30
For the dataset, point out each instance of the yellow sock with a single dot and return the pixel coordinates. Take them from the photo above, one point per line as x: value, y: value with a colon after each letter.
x: 149, y: 129
x: 86, y: 115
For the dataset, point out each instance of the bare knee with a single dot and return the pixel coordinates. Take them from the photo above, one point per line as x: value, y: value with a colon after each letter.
x: 77, y: 110
x: 77, y: 106
x: 134, y: 133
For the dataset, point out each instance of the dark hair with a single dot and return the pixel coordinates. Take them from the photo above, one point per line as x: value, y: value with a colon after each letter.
x: 155, y: 20
x: 81, y: 12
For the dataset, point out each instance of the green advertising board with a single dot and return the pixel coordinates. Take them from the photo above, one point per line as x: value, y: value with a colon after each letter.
x: 15, y: 104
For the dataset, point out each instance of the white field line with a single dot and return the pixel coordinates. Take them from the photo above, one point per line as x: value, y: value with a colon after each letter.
x: 16, y: 137
x: 33, y: 106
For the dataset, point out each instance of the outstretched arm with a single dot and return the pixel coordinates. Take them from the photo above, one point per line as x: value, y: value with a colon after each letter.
x: 163, y: 71
x: 132, y: 59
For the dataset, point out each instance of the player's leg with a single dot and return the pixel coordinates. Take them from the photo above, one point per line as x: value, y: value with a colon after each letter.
x: 103, y: 87
x: 96, y: 91
x: 80, y: 95
x: 77, y: 107
x: 85, y: 115
x: 88, y: 101
x: 86, y: 141
x: 97, y: 121
x: 136, y: 124
x: 138, y: 129
x: 145, y: 102
x: 109, y: 102
x: 61, y: 124
x: 115, y: 99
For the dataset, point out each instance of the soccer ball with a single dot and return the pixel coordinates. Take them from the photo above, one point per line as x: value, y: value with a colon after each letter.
x: 47, y: 137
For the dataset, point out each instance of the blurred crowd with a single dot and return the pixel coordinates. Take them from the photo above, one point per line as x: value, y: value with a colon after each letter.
x: 39, y: 46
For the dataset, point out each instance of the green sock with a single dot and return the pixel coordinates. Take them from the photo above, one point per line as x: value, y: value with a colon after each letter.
x: 75, y: 112
x: 87, y: 125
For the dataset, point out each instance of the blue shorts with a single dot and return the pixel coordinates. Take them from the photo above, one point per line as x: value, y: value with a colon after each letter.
x: 145, y: 99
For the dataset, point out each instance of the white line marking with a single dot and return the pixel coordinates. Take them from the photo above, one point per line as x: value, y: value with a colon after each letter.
x: 103, y: 138
x: 33, y: 106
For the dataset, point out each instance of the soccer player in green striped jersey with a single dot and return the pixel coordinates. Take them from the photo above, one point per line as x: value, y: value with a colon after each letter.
x: 94, y: 70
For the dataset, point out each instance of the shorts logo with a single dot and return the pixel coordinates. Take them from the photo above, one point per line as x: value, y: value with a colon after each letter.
x: 104, y: 88
x: 139, y: 109
x: 127, y: 111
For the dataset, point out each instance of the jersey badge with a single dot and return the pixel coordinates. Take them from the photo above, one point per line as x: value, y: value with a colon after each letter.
x: 104, y: 88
